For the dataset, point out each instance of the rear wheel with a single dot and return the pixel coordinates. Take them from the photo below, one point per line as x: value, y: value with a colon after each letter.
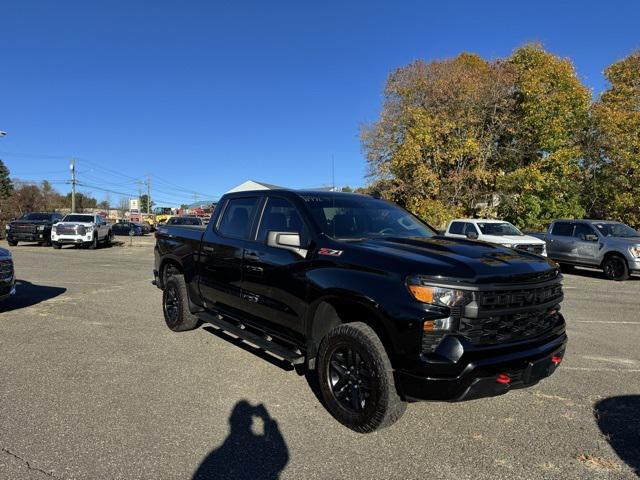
x: 615, y: 268
x: 175, y: 305
x: 356, y: 379
x: 109, y: 239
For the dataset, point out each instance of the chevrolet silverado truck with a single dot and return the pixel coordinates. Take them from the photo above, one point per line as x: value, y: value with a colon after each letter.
x: 32, y: 227
x: 365, y: 298
x: 81, y: 229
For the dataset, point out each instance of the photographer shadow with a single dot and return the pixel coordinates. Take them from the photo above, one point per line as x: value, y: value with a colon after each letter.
x: 246, y: 454
x: 619, y: 421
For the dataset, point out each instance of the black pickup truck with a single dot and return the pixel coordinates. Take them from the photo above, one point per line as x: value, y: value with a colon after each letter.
x: 32, y: 227
x: 366, y: 298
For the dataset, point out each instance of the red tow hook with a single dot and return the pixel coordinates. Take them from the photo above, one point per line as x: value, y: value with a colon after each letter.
x: 503, y: 378
x: 556, y: 359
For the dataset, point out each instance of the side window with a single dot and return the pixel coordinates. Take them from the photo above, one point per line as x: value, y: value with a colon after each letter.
x: 581, y: 230
x: 563, y: 229
x: 236, y: 219
x: 280, y: 216
x: 470, y: 228
x: 456, y: 228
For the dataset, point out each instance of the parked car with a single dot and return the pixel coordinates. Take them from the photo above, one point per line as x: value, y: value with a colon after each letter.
x: 366, y: 298
x: 495, y: 231
x: 612, y: 246
x: 7, y: 275
x: 127, y: 228
x: 184, y: 221
x: 81, y: 229
x: 146, y: 228
x: 32, y: 227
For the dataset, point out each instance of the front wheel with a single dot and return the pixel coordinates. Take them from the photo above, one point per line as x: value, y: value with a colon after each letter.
x: 94, y: 244
x: 57, y: 246
x: 175, y: 305
x: 615, y: 268
x: 12, y: 243
x: 356, y: 379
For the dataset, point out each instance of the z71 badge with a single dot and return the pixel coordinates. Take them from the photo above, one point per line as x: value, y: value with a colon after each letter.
x: 330, y: 252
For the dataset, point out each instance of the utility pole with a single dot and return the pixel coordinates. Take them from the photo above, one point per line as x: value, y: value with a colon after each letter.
x: 148, y: 194
x: 72, y: 167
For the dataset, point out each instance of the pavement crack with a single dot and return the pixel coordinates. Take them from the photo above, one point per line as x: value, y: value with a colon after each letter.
x: 28, y: 464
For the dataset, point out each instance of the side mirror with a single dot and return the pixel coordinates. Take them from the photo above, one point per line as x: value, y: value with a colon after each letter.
x: 286, y: 241
x: 591, y: 237
x: 472, y: 235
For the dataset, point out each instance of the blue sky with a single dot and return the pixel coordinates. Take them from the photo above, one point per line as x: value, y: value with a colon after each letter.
x: 205, y: 94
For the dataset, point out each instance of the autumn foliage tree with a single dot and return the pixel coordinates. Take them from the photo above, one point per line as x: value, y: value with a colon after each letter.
x: 517, y: 138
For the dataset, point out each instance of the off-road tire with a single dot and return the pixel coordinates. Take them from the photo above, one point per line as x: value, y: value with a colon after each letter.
x: 12, y: 244
x: 57, y: 246
x: 383, y: 406
x: 615, y: 268
x: 175, y: 305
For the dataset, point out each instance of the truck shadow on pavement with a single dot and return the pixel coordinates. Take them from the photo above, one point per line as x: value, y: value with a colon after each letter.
x: 28, y: 294
x: 619, y: 421
x: 245, y: 453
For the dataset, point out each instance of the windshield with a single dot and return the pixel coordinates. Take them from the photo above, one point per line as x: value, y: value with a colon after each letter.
x: 500, y: 229
x: 78, y: 218
x: 355, y: 216
x: 36, y: 216
x: 616, y: 230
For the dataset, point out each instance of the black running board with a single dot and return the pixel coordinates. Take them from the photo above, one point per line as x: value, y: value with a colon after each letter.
x: 263, y: 342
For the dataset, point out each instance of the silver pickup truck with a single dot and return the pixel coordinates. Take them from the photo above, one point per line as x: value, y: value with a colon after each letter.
x: 612, y: 246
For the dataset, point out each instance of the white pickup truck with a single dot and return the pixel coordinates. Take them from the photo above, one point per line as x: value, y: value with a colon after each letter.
x: 81, y: 229
x: 495, y: 231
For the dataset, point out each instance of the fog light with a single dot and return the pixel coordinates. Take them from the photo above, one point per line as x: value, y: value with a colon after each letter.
x: 437, y: 325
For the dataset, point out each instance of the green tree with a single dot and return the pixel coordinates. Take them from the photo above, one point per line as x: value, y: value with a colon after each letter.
x: 541, y: 175
x: 440, y: 135
x: 615, y: 181
x: 144, y: 200
x: 6, y: 185
x: 83, y: 201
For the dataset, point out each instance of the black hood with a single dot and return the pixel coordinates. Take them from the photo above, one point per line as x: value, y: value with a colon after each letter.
x: 460, y: 260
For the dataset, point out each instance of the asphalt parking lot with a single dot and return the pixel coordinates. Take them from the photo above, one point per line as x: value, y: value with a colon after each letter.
x: 93, y: 385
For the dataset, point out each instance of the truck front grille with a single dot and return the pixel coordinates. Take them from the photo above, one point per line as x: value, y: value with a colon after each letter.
x: 66, y: 229
x: 6, y: 269
x: 508, y: 328
x: 503, y: 316
x: 533, y: 248
x: 23, y: 229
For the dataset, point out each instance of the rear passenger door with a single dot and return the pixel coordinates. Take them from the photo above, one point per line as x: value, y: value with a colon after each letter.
x: 221, y: 254
x: 273, y: 284
x: 560, y: 241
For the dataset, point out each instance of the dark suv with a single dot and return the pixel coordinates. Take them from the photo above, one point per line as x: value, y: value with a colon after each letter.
x: 32, y: 227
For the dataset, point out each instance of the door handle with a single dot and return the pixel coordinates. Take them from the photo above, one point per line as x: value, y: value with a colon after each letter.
x: 250, y: 255
x: 209, y: 249
x: 251, y: 268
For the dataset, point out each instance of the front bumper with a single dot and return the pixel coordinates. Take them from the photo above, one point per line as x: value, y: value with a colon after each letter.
x: 479, y: 377
x: 634, y: 265
x: 72, y: 239
x: 7, y: 290
x: 28, y: 237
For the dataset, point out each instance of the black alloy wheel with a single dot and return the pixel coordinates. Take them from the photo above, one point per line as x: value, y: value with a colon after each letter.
x: 615, y: 268
x: 349, y: 378
x: 172, y: 305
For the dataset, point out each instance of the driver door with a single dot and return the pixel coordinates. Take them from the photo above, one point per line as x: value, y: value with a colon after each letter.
x: 273, y: 280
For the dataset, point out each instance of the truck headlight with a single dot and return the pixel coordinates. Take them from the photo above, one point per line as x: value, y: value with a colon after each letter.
x: 635, y: 251
x: 443, y: 296
x: 41, y: 228
x: 508, y: 245
x: 8, y: 227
